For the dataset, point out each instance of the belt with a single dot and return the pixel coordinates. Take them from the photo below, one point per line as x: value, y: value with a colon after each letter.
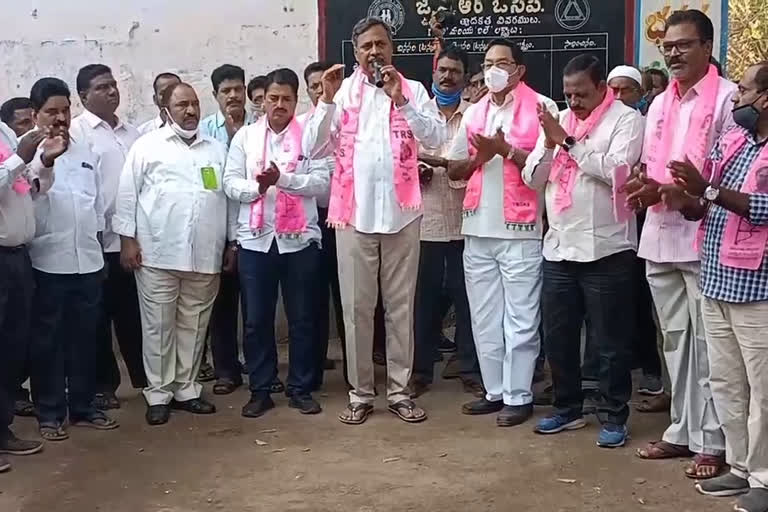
x: 13, y: 249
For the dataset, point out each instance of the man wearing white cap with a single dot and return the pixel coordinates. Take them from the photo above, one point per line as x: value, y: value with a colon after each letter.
x: 627, y: 85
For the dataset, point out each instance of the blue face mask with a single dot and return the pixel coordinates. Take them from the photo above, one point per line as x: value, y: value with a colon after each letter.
x: 444, y: 99
x: 642, y: 104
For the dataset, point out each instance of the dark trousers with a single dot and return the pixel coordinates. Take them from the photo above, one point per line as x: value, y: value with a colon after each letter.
x: 121, y: 309
x: 17, y: 288
x: 327, y: 289
x: 260, y: 275
x: 604, y: 291
x: 439, y: 260
x: 223, y: 329
x: 644, y: 335
x: 65, y: 339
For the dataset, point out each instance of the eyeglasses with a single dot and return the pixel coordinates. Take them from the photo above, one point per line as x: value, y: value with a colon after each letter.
x: 502, y: 65
x: 682, y: 46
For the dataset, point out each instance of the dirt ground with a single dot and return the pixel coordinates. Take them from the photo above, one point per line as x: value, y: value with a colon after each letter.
x: 288, y: 462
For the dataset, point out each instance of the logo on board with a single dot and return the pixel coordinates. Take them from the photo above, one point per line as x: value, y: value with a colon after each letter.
x: 572, y: 14
x: 391, y: 12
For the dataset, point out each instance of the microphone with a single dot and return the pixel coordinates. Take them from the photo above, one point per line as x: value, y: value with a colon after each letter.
x: 377, y: 79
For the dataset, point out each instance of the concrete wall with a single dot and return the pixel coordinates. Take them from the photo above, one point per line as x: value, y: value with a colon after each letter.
x: 139, y: 38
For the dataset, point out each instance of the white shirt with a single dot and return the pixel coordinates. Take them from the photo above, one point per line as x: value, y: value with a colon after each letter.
x: 307, y: 181
x: 70, y: 215
x: 488, y: 220
x: 376, y: 206
x: 161, y: 201
x: 587, y: 230
x: 111, y: 146
x: 150, y: 126
x: 328, y: 162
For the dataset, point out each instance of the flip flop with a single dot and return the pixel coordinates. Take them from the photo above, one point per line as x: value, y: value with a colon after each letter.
x: 406, y: 410
x: 659, y: 450
x: 349, y: 415
x: 701, y: 460
x: 53, y: 433
x: 95, y: 420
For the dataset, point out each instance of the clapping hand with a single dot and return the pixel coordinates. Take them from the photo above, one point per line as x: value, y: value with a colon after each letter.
x: 28, y: 145
x: 268, y: 178
x: 331, y: 79
x: 554, y: 133
x: 688, y: 177
x: 53, y: 146
x: 642, y: 192
x: 488, y: 147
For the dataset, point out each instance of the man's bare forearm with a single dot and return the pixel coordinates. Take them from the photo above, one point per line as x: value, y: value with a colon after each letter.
x: 461, y: 170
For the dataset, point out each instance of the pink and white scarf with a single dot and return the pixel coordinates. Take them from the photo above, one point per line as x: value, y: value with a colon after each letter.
x: 520, y: 202
x: 20, y: 185
x: 404, y: 156
x: 659, y: 151
x: 564, y: 168
x: 290, y: 218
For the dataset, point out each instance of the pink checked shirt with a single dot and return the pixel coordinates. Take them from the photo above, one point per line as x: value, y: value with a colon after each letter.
x: 667, y: 237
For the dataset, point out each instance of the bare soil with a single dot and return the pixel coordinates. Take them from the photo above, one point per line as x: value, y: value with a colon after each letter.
x: 288, y: 462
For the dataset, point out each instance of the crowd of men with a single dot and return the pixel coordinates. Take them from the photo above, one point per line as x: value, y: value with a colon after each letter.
x: 394, y: 207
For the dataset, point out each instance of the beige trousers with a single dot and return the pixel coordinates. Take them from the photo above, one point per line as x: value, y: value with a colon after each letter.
x: 175, y: 311
x: 738, y: 355
x: 694, y: 422
x: 361, y: 258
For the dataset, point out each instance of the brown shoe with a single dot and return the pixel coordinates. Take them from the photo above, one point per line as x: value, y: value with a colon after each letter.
x: 473, y: 387
x: 660, y: 403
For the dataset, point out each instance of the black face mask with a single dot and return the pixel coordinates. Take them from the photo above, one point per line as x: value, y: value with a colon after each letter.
x: 747, y: 116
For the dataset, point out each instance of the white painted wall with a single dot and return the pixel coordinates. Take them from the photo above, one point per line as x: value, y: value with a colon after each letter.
x: 140, y: 38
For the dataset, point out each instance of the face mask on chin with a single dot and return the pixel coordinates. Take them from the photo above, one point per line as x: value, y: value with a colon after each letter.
x: 496, y: 79
x: 181, y: 132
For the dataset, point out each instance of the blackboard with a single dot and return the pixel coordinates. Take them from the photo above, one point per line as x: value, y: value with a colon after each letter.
x: 551, y: 32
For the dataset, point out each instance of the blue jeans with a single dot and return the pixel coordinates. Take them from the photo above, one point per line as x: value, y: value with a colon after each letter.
x: 65, y: 341
x: 603, y: 290
x: 260, y: 275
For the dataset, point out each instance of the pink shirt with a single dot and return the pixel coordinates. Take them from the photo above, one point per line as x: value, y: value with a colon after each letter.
x: 667, y: 237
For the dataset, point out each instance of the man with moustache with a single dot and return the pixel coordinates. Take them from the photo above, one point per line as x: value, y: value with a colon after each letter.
x: 734, y: 285
x: 503, y: 229
x: 376, y: 207
x: 67, y: 255
x: 278, y: 237
x: 588, y: 251
x: 442, y: 243
x: 682, y: 125
x: 229, y: 90
x: 111, y: 139
x: 17, y: 113
x: 256, y: 95
x: 159, y: 85
x: 172, y: 220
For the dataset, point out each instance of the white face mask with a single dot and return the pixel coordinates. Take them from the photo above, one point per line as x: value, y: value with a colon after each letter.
x: 181, y: 132
x: 496, y: 79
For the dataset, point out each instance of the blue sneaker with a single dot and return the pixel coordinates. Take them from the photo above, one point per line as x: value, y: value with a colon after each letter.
x: 556, y: 423
x: 612, y: 436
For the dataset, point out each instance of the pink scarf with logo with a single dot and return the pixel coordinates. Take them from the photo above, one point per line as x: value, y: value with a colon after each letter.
x: 520, y: 202
x: 659, y: 151
x: 404, y: 156
x: 290, y: 218
x: 564, y: 168
x: 20, y: 184
x: 743, y: 245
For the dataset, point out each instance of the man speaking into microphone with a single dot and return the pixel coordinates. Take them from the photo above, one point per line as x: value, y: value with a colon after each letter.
x: 376, y: 207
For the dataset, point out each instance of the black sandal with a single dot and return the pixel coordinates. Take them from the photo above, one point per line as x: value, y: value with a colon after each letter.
x: 349, y: 415
x: 24, y: 408
x: 404, y: 409
x: 225, y: 386
x: 276, y: 387
x: 96, y: 420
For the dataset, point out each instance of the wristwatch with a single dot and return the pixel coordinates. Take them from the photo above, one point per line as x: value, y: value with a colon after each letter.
x: 711, y: 194
x: 568, y: 143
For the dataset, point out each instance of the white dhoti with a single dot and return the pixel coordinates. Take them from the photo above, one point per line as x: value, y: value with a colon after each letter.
x: 675, y: 290
x: 175, y: 311
x: 504, y: 280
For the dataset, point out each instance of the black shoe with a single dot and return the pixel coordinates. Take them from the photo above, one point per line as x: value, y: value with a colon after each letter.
x: 446, y: 345
x: 305, y: 404
x: 158, y: 414
x: 5, y: 464
x: 723, y: 486
x: 756, y: 500
x: 195, y: 406
x: 258, y: 405
x: 12, y: 445
x: 513, y: 415
x: 482, y: 406
x: 225, y: 386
